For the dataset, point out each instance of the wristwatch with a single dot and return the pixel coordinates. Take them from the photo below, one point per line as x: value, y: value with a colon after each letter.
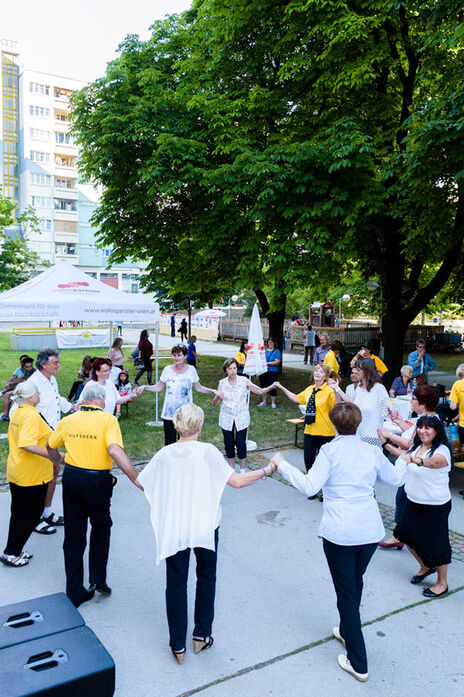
x: 421, y: 462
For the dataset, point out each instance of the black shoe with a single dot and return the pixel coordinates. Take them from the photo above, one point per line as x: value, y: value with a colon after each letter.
x: 420, y: 577
x: 86, y: 595
x: 430, y: 594
x: 102, y: 588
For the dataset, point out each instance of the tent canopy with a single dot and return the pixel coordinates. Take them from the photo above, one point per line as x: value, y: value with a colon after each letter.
x: 65, y: 292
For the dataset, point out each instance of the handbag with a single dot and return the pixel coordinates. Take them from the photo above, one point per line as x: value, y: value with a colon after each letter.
x: 310, y: 414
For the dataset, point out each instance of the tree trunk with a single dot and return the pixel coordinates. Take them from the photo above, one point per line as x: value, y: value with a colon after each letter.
x: 395, y: 325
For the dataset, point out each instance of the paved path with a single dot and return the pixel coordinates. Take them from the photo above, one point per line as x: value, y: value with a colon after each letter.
x: 275, y: 605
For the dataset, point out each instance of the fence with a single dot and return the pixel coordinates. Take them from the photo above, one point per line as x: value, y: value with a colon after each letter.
x: 351, y: 337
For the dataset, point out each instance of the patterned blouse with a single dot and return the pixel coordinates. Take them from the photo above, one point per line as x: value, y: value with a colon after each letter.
x: 234, y: 405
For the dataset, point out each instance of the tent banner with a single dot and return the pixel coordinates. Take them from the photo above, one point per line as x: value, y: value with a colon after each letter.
x: 255, y: 363
x: 82, y: 338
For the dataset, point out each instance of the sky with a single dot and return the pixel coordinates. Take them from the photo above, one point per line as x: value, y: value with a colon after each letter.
x: 77, y: 39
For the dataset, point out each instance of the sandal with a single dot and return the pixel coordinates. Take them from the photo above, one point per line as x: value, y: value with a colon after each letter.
x: 11, y: 560
x: 179, y: 655
x: 200, y: 644
x: 44, y: 528
x: 26, y: 555
x: 54, y: 519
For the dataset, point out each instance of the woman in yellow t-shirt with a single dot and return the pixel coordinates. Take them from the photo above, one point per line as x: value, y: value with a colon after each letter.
x: 29, y: 469
x: 318, y: 427
x: 371, y: 349
x: 240, y: 357
x: 331, y: 358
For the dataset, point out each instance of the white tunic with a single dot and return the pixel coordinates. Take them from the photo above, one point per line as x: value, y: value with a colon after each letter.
x: 178, y: 389
x: 374, y: 409
x: 234, y: 405
x: 184, y: 483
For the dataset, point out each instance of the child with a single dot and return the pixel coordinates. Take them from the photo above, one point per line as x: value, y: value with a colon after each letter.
x: 124, y: 387
x: 191, y: 353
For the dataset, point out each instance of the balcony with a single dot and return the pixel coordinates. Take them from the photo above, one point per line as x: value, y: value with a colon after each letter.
x: 66, y: 237
x: 65, y: 164
x: 63, y: 95
x: 68, y: 193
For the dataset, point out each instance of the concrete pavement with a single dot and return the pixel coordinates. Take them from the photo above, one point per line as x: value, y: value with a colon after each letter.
x: 275, y: 605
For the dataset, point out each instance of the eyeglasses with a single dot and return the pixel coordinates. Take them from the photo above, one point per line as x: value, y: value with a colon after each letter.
x: 104, y: 370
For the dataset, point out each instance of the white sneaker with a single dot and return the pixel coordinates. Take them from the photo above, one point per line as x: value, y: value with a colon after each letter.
x: 344, y: 663
x: 262, y: 404
x: 337, y: 635
x: 274, y: 406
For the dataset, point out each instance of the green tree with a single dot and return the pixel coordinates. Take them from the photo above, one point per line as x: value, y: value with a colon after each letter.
x: 274, y: 144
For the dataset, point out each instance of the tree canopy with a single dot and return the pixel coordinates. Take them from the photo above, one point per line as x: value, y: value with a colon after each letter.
x: 268, y: 144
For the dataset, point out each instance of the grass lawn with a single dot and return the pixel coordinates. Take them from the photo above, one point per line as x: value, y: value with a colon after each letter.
x: 267, y: 428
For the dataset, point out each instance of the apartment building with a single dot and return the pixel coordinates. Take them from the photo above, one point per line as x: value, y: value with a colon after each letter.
x: 39, y: 165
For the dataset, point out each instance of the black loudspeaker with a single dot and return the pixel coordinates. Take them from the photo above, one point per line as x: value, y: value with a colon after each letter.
x: 37, y: 618
x: 73, y: 663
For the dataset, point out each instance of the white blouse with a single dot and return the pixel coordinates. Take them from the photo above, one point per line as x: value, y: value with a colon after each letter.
x: 346, y: 469
x: 426, y: 485
x: 111, y: 394
x: 178, y: 389
x: 374, y: 409
x: 184, y: 483
x: 234, y: 405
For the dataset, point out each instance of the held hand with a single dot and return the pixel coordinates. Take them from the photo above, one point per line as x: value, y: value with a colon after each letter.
x: 275, y: 385
x: 394, y: 415
x: 383, y: 435
x: 276, y: 460
x: 138, y: 391
x: 218, y: 394
x: 407, y: 457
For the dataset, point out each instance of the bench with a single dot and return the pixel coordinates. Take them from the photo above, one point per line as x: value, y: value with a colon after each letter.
x: 299, y: 425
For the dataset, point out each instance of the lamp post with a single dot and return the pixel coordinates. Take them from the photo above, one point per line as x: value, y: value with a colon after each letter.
x: 346, y: 299
x: 233, y: 299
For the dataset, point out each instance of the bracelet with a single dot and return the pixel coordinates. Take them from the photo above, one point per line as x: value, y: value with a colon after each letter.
x: 421, y: 463
x: 264, y: 472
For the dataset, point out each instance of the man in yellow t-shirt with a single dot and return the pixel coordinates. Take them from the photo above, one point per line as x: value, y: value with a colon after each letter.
x: 457, y: 400
x: 93, y: 440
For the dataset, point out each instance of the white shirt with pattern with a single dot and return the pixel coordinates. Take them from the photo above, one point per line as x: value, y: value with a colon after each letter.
x: 178, y: 389
x: 234, y: 405
x: 374, y: 409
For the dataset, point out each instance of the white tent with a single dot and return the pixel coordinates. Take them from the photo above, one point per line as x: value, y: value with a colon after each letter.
x: 64, y: 292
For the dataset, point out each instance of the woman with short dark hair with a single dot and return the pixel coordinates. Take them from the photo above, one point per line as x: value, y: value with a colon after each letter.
x: 101, y: 368
x: 178, y: 379
x: 346, y: 469
x: 234, y: 417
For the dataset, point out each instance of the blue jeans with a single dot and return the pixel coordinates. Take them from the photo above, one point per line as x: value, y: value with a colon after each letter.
x: 177, y: 568
x: 347, y: 565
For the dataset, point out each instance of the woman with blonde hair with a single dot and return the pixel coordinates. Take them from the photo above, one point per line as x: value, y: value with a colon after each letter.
x: 115, y: 354
x: 29, y: 470
x: 184, y: 483
x: 319, y: 398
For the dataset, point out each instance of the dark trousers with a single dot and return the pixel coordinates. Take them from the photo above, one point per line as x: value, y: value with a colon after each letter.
x: 86, y: 496
x: 235, y: 439
x: 347, y: 566
x: 267, y: 379
x: 192, y: 361
x: 400, y: 502
x: 27, y: 504
x: 170, y: 433
x: 310, y: 350
x: 311, y: 445
x: 73, y: 390
x: 461, y: 434
x: 177, y: 568
x: 147, y: 366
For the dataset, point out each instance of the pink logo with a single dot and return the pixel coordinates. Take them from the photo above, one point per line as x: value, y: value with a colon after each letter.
x: 73, y: 284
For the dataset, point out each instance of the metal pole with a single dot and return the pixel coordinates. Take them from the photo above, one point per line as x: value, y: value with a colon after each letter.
x: 111, y: 337
x: 156, y: 368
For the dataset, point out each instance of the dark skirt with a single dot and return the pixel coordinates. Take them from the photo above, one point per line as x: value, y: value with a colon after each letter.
x: 425, y: 529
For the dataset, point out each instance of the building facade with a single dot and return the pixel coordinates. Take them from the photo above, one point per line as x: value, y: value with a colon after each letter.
x: 39, y: 165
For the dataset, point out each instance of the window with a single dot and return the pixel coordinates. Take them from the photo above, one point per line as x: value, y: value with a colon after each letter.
x: 65, y: 248
x: 63, y: 94
x: 65, y: 183
x: 65, y: 226
x: 63, y: 138
x: 46, y: 224
x: 40, y: 179
x: 37, y: 88
x: 39, y: 134
x: 37, y: 156
x: 41, y: 201
x: 60, y: 116
x: 65, y: 205
x: 39, y: 111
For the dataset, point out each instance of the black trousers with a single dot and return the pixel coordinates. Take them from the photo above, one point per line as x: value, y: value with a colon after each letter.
x: 27, y: 504
x: 147, y: 366
x: 312, y: 445
x: 177, y: 568
x: 235, y: 439
x: 267, y: 379
x: 86, y: 496
x: 310, y: 350
x: 73, y: 390
x: 170, y: 433
x: 347, y: 566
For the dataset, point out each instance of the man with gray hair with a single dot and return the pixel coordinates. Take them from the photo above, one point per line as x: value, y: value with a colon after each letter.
x: 51, y: 405
x: 92, y: 438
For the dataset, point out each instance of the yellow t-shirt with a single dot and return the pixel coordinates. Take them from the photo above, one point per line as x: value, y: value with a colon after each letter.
x: 379, y: 364
x: 457, y: 395
x: 331, y: 360
x: 86, y: 434
x: 240, y: 357
x: 27, y: 428
x: 325, y: 399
